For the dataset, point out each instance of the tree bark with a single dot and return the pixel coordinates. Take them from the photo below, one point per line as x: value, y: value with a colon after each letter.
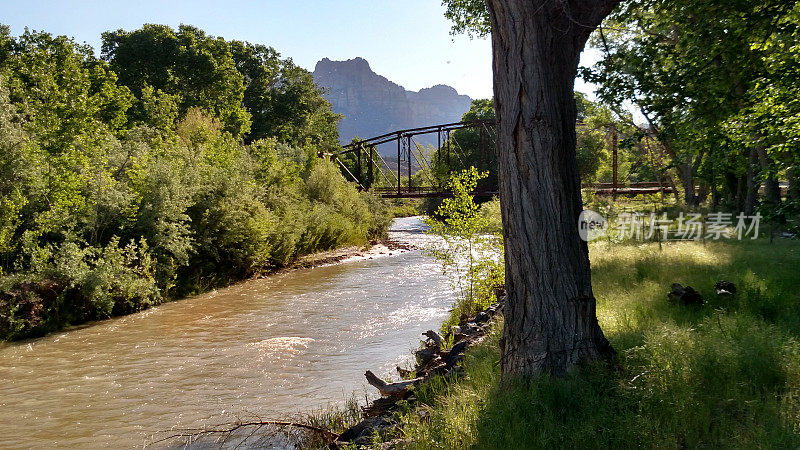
x: 730, y: 191
x: 689, y: 170
x: 741, y: 192
x: 772, y: 189
x: 714, y: 195
x: 702, y: 193
x: 686, y: 172
x: 794, y: 184
x: 550, y: 318
x: 751, y: 197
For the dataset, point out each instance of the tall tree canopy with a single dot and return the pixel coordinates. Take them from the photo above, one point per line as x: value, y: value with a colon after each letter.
x: 254, y: 92
x: 697, y: 70
x: 62, y: 90
x: 283, y: 99
x: 197, y: 68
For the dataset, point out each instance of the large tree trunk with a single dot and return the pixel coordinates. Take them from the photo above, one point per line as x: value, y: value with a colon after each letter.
x: 550, y: 318
x: 689, y: 170
x: 686, y: 172
x: 772, y: 189
x: 714, y: 194
x: 751, y: 197
x: 702, y: 193
x: 741, y: 192
x: 793, y: 192
x: 731, y: 189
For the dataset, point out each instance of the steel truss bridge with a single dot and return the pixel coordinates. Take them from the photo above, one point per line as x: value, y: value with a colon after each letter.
x: 368, y: 167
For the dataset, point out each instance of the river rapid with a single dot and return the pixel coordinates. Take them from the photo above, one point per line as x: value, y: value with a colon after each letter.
x: 267, y: 348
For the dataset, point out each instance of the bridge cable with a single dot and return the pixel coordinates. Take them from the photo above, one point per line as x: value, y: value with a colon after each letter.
x: 379, y: 167
x: 422, y: 158
x: 387, y: 167
x: 463, y: 164
x: 350, y: 173
x: 382, y: 172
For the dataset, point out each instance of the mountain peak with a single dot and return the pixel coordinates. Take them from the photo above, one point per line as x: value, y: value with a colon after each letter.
x: 373, y: 105
x: 357, y: 64
x: 441, y: 88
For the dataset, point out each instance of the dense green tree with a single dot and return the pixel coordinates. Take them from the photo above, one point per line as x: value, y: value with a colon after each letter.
x: 770, y: 121
x: 71, y: 108
x: 469, y: 16
x: 283, y: 99
x: 116, y: 193
x: 16, y: 175
x: 196, y: 68
x: 255, y: 93
x: 462, y: 150
x: 5, y: 43
x: 64, y: 93
x: 689, y: 67
x: 597, y: 129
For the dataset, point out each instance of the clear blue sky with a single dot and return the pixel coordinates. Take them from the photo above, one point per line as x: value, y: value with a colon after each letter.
x: 406, y: 41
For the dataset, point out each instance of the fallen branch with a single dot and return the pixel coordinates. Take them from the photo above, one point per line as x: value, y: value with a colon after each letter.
x: 195, y: 433
x: 434, y: 336
x: 455, y: 353
x: 390, y: 389
x: 434, y: 366
x: 426, y: 355
x: 431, y: 359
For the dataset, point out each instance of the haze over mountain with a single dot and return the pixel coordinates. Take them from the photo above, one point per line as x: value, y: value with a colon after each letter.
x: 373, y: 105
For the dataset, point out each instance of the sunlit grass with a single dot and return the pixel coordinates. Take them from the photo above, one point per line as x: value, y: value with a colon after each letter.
x: 726, y: 374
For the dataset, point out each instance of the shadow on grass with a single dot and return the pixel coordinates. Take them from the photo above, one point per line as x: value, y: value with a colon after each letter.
x: 726, y: 374
x: 597, y: 409
x: 633, y: 280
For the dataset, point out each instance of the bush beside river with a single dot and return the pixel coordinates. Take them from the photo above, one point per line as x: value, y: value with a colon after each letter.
x: 116, y: 195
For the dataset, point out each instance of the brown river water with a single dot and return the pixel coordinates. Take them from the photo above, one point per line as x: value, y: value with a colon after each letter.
x: 271, y: 347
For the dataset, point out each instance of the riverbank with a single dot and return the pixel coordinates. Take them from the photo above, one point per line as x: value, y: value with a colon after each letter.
x: 377, y: 249
x: 724, y: 374
x: 437, y: 364
x: 273, y: 348
x: 23, y: 300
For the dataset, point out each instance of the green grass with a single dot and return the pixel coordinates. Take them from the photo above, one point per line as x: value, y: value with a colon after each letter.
x: 726, y: 374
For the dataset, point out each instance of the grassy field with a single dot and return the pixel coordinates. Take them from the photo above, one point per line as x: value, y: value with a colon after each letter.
x: 726, y: 374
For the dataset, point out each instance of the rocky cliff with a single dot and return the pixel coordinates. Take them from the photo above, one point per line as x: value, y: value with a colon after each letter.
x: 373, y: 105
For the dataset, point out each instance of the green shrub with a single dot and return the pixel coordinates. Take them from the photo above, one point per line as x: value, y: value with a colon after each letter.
x: 114, y: 198
x: 469, y: 256
x: 110, y: 280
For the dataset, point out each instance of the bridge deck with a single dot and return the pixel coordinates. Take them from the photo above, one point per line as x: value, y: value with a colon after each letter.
x: 630, y: 190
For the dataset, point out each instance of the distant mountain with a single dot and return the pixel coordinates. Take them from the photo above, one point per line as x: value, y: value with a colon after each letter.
x: 373, y: 105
